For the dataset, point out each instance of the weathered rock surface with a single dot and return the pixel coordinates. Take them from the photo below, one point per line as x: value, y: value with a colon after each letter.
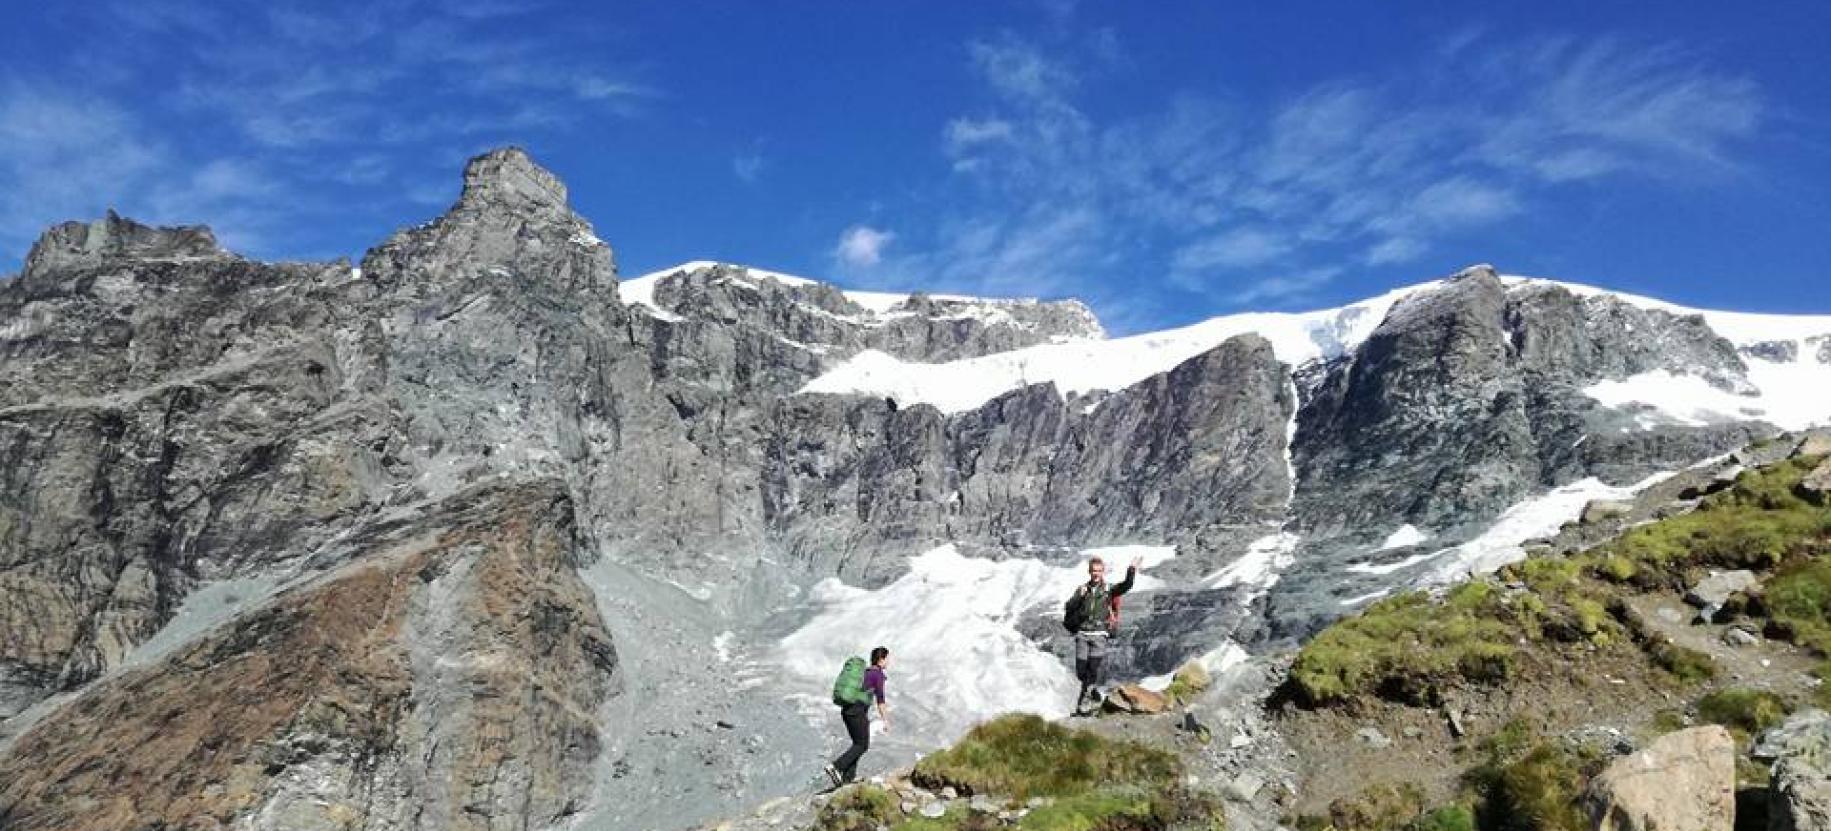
x: 1816, y: 485
x: 1604, y: 509
x: 1712, y: 591
x: 1683, y: 781
x: 445, y: 679
x: 1131, y: 698
x: 1799, y: 791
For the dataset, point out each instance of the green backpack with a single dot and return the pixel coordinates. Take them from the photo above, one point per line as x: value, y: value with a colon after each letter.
x: 849, y: 688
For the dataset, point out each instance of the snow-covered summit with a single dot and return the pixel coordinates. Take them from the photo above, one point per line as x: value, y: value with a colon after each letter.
x: 1788, y: 377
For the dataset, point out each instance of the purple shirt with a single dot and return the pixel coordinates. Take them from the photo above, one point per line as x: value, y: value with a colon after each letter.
x: 874, y: 683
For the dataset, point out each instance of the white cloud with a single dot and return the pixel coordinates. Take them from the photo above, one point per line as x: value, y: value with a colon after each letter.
x: 966, y: 133
x: 862, y: 246
x: 1020, y: 70
x: 1394, y: 250
x: 747, y: 167
x: 1284, y: 288
x: 1344, y: 174
x: 63, y: 157
x: 1237, y: 248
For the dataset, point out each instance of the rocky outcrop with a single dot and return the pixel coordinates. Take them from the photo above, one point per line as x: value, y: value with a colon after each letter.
x: 1799, y: 789
x: 114, y: 240
x: 1683, y: 781
x: 824, y: 321
x: 1469, y: 396
x: 1194, y: 451
x: 445, y: 679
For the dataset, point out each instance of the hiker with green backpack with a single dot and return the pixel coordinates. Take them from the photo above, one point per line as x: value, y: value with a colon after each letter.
x: 854, y: 690
x: 1092, y: 616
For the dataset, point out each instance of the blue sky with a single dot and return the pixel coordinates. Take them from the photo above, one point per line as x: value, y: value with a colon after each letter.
x: 1164, y: 161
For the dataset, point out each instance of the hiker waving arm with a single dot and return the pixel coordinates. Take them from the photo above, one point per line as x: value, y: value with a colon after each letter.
x: 1131, y: 572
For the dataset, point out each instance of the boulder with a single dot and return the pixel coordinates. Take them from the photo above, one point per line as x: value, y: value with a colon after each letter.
x: 1805, y: 728
x: 1816, y: 444
x: 1816, y: 486
x: 1683, y: 781
x: 1602, y: 509
x: 1131, y: 698
x: 1740, y: 636
x: 1713, y: 591
x: 1799, y: 791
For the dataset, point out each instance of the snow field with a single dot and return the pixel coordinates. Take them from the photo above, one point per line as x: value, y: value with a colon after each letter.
x: 951, y: 624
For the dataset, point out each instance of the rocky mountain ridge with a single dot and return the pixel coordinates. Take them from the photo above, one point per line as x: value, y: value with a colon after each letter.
x: 174, y: 417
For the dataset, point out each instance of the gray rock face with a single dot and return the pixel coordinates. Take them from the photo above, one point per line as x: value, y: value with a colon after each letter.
x: 1181, y: 456
x: 800, y: 329
x: 1799, y: 792
x: 1714, y: 590
x: 1778, y: 351
x: 112, y: 239
x: 1469, y: 397
x: 444, y: 679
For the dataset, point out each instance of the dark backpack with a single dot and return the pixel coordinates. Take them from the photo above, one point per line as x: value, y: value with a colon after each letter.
x: 849, y: 687
x: 1084, y: 604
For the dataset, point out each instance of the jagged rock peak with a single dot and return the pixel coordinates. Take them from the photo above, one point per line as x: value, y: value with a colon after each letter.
x: 114, y: 237
x: 507, y: 176
x: 1475, y: 271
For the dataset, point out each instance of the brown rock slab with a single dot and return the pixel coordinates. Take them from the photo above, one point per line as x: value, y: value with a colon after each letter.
x: 1683, y: 781
x: 1131, y: 698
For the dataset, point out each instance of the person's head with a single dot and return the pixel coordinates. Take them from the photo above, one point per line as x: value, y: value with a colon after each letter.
x: 1096, y: 570
x: 880, y: 657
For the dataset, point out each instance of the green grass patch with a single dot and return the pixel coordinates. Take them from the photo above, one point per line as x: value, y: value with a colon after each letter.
x: 1094, y: 783
x: 1799, y: 598
x: 1449, y: 818
x: 1537, y: 791
x: 1020, y: 756
x: 1405, y: 647
x: 1686, y: 664
x: 1743, y: 711
x: 1757, y: 523
x: 858, y: 808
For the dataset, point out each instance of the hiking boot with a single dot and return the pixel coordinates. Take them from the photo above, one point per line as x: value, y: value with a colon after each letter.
x: 833, y: 774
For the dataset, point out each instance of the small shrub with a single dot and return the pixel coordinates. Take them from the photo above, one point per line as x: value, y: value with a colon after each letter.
x: 1381, y: 807
x: 858, y: 808
x: 1021, y: 756
x: 1685, y: 664
x: 1539, y: 791
x: 1669, y: 720
x: 1616, y: 568
x: 1743, y: 710
x: 1188, y: 682
x: 1450, y: 818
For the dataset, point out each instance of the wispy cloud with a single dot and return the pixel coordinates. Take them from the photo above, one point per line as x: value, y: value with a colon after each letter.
x: 862, y: 246
x: 252, y: 121
x: 1270, y: 206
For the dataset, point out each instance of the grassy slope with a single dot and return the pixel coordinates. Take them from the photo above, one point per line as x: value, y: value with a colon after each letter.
x: 1085, y: 782
x: 1570, y: 618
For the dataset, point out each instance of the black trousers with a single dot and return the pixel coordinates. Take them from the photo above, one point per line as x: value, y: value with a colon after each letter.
x: 858, y: 725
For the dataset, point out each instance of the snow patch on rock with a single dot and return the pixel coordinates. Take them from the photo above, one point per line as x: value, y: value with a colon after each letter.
x: 953, y: 622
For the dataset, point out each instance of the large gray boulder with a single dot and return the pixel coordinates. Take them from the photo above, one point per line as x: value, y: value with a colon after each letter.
x: 1799, y: 790
x: 1683, y: 781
